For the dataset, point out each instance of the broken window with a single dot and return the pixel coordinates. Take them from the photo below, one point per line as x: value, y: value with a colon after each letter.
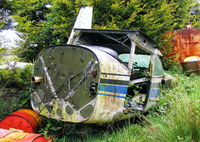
x: 139, y: 80
x: 158, y: 69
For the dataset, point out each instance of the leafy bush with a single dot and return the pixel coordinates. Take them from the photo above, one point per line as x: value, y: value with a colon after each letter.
x: 16, y: 77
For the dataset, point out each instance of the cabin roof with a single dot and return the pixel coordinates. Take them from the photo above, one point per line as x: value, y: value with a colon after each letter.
x: 124, y: 31
x: 118, y: 40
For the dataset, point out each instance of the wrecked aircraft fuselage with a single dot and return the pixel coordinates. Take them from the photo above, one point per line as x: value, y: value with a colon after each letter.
x: 103, y: 76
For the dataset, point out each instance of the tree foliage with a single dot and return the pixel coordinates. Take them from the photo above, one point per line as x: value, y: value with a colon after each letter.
x: 5, y: 12
x: 49, y: 22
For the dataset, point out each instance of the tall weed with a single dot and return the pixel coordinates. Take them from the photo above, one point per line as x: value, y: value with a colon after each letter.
x: 181, y: 121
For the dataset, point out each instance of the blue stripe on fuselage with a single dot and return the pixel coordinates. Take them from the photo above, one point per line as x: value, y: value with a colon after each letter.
x: 113, y: 88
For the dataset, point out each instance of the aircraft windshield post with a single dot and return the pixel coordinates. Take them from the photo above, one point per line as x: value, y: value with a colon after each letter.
x: 130, y: 65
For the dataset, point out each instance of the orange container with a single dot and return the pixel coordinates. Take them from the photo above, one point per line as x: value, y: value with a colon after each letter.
x: 26, y: 120
x: 185, y: 42
x: 33, y: 113
x: 15, y: 136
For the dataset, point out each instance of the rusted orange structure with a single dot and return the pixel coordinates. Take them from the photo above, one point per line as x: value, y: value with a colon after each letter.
x: 186, y: 43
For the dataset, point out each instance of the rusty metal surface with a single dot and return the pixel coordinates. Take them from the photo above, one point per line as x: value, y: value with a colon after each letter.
x: 186, y: 43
